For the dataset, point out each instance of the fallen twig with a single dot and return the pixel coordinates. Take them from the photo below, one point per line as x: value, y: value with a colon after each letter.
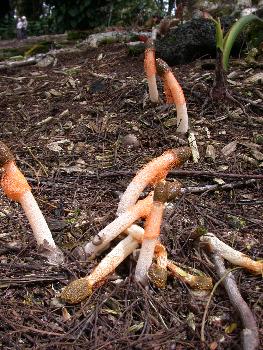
x: 209, y: 301
x: 249, y: 335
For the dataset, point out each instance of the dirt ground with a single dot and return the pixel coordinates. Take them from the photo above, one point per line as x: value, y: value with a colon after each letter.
x: 66, y: 124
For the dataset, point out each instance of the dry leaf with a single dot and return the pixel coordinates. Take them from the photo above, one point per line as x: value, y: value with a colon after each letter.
x: 210, y: 152
x: 229, y: 148
x: 257, y: 155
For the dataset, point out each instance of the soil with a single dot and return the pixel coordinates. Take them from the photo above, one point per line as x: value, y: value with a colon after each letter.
x: 66, y: 125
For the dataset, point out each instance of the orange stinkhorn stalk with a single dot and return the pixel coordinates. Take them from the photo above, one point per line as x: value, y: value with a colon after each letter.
x: 100, y: 242
x: 195, y: 282
x: 16, y: 188
x: 230, y: 254
x: 150, y: 70
x: 151, y: 173
x: 80, y: 289
x: 151, y: 233
x: 173, y: 88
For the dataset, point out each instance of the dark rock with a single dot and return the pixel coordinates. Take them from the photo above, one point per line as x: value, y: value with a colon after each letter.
x: 192, y: 40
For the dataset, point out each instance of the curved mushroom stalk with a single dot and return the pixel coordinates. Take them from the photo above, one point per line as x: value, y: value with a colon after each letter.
x: 151, y: 233
x: 150, y: 70
x: 80, y: 289
x: 104, y: 237
x: 230, y: 254
x: 16, y: 188
x: 153, y: 172
x: 172, y: 88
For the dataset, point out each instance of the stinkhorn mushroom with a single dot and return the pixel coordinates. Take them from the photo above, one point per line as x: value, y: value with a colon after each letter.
x: 150, y: 70
x: 80, y: 289
x: 194, y: 281
x: 100, y: 242
x: 151, y: 233
x: 235, y: 257
x: 16, y: 188
x: 158, y: 272
x: 151, y: 173
x: 174, y: 90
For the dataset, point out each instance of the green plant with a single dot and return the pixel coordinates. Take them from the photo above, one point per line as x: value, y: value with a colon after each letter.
x: 224, y: 44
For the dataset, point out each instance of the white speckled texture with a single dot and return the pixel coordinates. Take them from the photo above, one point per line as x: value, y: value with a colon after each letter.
x: 230, y: 254
x: 36, y: 219
x: 182, y: 118
x: 157, y: 167
x: 153, y: 92
x: 145, y: 260
x: 113, y: 259
x: 109, y: 233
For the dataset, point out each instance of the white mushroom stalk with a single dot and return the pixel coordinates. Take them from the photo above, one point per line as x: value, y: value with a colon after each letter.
x: 150, y: 70
x: 174, y: 91
x: 230, y: 254
x: 16, y: 188
x: 80, y: 289
x: 101, y: 241
x: 151, y: 173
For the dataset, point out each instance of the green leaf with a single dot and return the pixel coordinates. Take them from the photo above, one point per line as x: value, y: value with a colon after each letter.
x: 219, y: 34
x: 233, y: 33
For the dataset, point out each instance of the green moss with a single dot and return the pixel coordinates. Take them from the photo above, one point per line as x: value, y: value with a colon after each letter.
x: 77, y: 35
x: 41, y: 47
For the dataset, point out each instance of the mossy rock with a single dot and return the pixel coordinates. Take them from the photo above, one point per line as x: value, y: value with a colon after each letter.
x: 192, y: 40
x: 77, y: 35
x: 41, y: 47
x: 10, y: 52
x: 135, y: 48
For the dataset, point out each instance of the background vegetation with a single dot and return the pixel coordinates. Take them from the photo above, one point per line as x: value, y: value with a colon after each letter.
x: 52, y: 16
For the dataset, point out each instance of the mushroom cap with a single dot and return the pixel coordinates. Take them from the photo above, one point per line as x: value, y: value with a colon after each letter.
x: 162, y: 67
x: 5, y: 154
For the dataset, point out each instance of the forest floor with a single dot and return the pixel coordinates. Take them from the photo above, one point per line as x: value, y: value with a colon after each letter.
x: 67, y: 126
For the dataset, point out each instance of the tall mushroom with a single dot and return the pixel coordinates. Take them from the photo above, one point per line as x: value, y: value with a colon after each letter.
x: 174, y: 92
x: 153, y: 172
x: 151, y: 233
x: 16, y: 188
x: 150, y: 70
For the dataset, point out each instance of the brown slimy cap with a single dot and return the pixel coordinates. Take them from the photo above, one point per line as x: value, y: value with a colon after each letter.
x: 183, y: 154
x: 6, y: 155
x: 160, y: 192
x: 173, y: 189
x: 161, y: 67
x: 149, y: 45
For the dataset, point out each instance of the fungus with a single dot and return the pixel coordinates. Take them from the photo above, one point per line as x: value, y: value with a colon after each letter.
x: 80, y: 289
x: 101, y: 240
x: 230, y: 254
x: 174, y: 90
x: 16, y: 188
x: 151, y: 233
x: 195, y: 282
x: 157, y: 272
x: 151, y: 173
x: 150, y: 70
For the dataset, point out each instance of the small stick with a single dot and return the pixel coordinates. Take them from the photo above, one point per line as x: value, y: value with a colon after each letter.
x: 209, y: 301
x: 249, y: 335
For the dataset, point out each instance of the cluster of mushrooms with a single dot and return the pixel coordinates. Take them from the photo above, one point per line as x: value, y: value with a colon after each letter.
x: 153, y: 262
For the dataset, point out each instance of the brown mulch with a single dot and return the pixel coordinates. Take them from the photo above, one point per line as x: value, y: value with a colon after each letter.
x: 66, y: 158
